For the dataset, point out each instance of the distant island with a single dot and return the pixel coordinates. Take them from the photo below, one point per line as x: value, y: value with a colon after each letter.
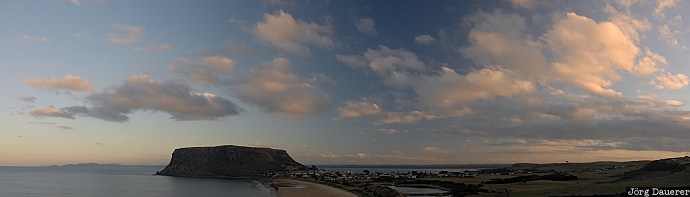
x: 230, y: 161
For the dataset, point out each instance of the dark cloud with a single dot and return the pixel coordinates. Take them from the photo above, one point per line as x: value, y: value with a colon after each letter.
x: 65, y: 112
x: 66, y: 127
x: 141, y: 93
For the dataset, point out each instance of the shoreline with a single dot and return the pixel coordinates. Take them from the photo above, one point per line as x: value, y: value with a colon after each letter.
x: 297, y: 188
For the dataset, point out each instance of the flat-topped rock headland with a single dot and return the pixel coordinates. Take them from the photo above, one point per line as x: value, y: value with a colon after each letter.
x: 229, y: 161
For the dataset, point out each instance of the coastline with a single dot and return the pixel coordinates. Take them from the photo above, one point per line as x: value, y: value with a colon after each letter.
x: 296, y: 188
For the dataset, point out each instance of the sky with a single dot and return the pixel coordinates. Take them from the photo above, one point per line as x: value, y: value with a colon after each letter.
x: 344, y: 82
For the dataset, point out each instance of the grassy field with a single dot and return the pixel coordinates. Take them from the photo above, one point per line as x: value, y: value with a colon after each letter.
x: 594, y: 179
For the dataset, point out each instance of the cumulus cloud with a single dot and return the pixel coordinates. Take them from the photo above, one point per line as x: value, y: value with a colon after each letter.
x: 394, y: 65
x: 425, y: 39
x: 124, y: 34
x: 450, y: 92
x: 366, y: 26
x: 155, y: 48
x: 140, y: 93
x: 274, y: 88
x: 68, y: 82
x: 586, y: 54
x: 65, y: 112
x: 630, y: 25
x: 649, y: 63
x: 283, y: 32
x: 435, y: 150
x: 209, y: 71
x: 670, y: 81
x: 355, y: 109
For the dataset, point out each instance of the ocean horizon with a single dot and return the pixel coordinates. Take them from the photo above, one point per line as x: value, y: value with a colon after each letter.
x: 76, y: 181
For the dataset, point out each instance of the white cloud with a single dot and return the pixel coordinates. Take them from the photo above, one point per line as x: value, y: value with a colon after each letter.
x: 140, y: 93
x: 283, y: 32
x: 670, y: 81
x: 75, y: 2
x: 210, y: 71
x: 649, y: 63
x: 31, y: 39
x: 68, y: 82
x: 673, y: 102
x: 124, y: 34
x: 366, y: 26
x: 452, y: 91
x: 388, y: 131
x: 425, y: 39
x: 155, y: 48
x: 355, y: 109
x: 628, y: 23
x: 435, y: 150
x: 274, y: 88
x: 664, y: 4
x: 391, y: 64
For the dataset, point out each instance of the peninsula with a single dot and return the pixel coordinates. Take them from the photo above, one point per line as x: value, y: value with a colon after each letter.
x: 229, y: 161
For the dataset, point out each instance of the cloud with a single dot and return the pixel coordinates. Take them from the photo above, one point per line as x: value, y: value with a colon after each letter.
x: 209, y: 71
x: 124, y: 34
x: 627, y: 22
x: 75, y: 2
x: 281, y: 31
x: 28, y: 99
x: 31, y: 40
x: 366, y: 26
x: 355, y: 109
x: 394, y: 65
x: 65, y: 112
x: 275, y: 89
x: 669, y: 37
x: 435, y: 150
x: 425, y: 39
x: 451, y: 92
x: 670, y: 81
x: 673, y: 102
x: 405, y: 117
x: 584, y: 53
x: 140, y: 93
x: 68, y: 82
x: 388, y: 131
x: 83, y: 35
x: 66, y: 127
x: 524, y: 3
x: 649, y: 63
x: 664, y: 4
x: 156, y: 48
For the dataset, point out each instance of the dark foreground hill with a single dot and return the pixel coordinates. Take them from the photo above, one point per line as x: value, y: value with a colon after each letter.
x: 229, y: 161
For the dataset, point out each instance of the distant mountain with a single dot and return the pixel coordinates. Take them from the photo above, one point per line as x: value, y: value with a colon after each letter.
x: 229, y: 161
x: 94, y: 165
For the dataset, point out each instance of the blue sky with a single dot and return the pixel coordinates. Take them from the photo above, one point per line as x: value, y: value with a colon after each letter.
x: 344, y: 82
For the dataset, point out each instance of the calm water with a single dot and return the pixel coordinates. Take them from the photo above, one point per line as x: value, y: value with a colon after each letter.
x: 116, y: 181
x: 386, y: 170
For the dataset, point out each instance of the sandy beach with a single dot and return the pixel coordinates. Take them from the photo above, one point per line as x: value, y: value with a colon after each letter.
x: 295, y: 188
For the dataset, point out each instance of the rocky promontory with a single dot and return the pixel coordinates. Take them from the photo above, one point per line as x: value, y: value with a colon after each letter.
x: 229, y: 161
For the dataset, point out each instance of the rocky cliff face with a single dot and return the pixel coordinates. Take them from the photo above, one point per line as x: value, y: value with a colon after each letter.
x: 229, y: 161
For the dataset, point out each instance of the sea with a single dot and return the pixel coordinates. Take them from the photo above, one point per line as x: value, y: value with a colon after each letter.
x: 117, y: 181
